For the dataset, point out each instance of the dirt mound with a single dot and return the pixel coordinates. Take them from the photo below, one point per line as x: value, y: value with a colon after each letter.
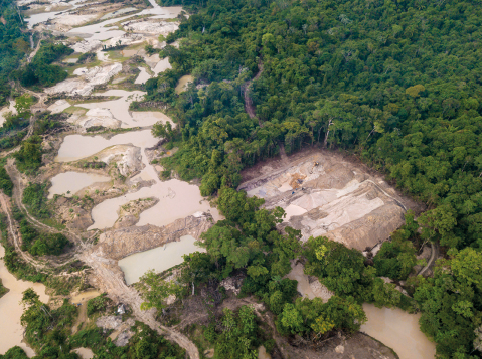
x: 324, y: 194
x: 122, y: 242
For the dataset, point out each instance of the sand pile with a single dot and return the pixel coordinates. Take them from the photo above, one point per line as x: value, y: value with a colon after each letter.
x: 152, y: 27
x: 99, y: 117
x: 127, y: 157
x: 73, y: 20
x: 333, y: 198
x: 126, y: 39
x: 86, y: 82
x: 86, y: 45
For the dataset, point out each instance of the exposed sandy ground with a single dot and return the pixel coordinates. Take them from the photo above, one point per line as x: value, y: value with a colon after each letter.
x: 151, y: 27
x: 86, y: 81
x: 335, y: 198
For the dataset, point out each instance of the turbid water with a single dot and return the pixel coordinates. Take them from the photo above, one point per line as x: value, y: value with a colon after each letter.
x: 142, y: 77
x: 398, y: 330
x: 76, y: 147
x: 184, y: 81
x: 73, y: 181
x: 11, y: 332
x: 159, y: 259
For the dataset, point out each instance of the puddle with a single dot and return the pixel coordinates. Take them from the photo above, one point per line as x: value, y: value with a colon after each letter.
x: 73, y: 182
x: 84, y: 353
x: 11, y: 310
x: 120, y: 109
x: 303, y: 284
x: 143, y: 76
x: 76, y: 147
x: 83, y: 297
x: 184, y: 81
x: 398, y: 330
x: 159, y: 259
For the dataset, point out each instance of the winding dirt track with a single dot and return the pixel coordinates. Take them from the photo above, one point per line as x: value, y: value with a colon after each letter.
x: 111, y: 279
x: 248, y: 102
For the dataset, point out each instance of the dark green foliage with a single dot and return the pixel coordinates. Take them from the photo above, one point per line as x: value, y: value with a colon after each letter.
x: 14, y: 353
x: 315, y: 318
x: 98, y: 304
x: 48, y: 123
x: 87, y: 57
x: 35, y: 198
x: 237, y: 337
x: 48, y: 331
x: 395, y: 259
x: 6, y: 183
x: 3, y: 290
x: 29, y: 157
x: 341, y: 269
x: 41, y: 71
x: 451, y: 304
x: 401, y: 93
x: 13, y: 45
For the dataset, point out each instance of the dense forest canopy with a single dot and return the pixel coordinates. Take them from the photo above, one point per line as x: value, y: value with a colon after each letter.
x: 13, y: 44
x: 396, y: 83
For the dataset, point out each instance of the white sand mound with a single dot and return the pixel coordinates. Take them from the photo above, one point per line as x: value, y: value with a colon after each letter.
x: 99, y: 117
x: 87, y: 80
x: 152, y: 27
x: 58, y: 106
x: 74, y: 20
x: 86, y: 45
x: 128, y: 158
x: 126, y: 39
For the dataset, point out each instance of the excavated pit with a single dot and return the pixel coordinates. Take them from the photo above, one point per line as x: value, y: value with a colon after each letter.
x: 324, y: 194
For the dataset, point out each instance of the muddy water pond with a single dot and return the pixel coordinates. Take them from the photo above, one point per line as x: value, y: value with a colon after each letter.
x: 143, y: 76
x: 76, y: 147
x: 73, y: 181
x: 184, y: 81
x: 177, y: 199
x: 11, y: 332
x: 159, y: 259
x: 398, y: 330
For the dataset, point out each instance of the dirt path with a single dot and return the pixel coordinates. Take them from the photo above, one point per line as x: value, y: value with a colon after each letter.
x: 431, y: 261
x: 32, y: 54
x: 110, y: 277
x: 248, y: 102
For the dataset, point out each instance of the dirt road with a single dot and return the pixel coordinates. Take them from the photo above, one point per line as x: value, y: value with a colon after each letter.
x: 248, y: 102
x: 110, y: 278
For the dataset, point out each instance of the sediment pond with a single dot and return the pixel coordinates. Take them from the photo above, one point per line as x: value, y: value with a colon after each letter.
x: 399, y: 331
x: 72, y: 182
x: 159, y: 259
x: 11, y: 331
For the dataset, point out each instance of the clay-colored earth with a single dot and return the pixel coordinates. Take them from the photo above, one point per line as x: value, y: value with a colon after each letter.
x: 323, y: 193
